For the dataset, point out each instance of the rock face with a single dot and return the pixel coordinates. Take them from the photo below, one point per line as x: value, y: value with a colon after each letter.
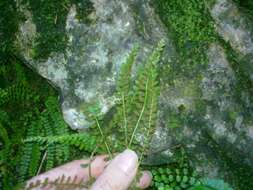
x: 235, y: 28
x: 207, y: 115
x: 86, y: 72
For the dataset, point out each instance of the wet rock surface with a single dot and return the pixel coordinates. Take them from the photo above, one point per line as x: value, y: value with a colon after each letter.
x: 205, y: 114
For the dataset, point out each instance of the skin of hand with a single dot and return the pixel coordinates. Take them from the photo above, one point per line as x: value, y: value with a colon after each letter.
x: 116, y: 174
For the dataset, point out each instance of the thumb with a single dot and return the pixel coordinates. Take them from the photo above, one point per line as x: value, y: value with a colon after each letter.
x: 119, y: 173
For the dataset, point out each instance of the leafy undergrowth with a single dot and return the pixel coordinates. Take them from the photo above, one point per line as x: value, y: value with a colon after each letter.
x: 28, y: 107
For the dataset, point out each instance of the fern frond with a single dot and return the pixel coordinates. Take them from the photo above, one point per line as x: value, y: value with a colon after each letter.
x: 49, y: 131
x: 123, y: 90
x: 29, y: 161
x: 134, y: 120
x: 3, y: 134
x: 82, y: 141
x: 18, y: 93
x: 58, y: 184
x: 124, y: 81
x: 3, y: 96
x: 145, y: 100
x: 60, y: 127
x: 35, y: 160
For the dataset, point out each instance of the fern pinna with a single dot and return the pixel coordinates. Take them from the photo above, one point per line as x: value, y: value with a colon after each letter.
x: 49, y: 123
x: 24, y: 113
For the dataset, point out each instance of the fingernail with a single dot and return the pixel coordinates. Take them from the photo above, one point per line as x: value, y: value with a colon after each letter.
x: 145, y: 180
x: 127, y: 161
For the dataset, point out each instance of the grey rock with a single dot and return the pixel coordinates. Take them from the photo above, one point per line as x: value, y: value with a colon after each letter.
x: 235, y: 27
x: 211, y: 135
x: 86, y: 72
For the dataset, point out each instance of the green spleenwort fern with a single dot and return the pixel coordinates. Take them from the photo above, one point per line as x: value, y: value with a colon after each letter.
x: 133, y: 122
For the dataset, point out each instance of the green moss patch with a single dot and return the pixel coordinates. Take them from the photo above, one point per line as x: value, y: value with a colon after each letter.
x: 191, y: 28
x: 50, y: 19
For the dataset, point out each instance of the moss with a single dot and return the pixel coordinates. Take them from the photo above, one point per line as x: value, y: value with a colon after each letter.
x: 192, y: 30
x: 9, y: 19
x: 174, y: 122
x: 50, y: 19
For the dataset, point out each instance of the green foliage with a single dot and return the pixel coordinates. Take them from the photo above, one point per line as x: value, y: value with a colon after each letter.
x: 177, y: 176
x: 133, y: 123
x: 9, y: 17
x: 24, y: 113
x: 50, y: 19
x: 123, y: 95
x: 135, y: 113
x: 49, y: 123
x: 191, y: 29
x: 83, y: 140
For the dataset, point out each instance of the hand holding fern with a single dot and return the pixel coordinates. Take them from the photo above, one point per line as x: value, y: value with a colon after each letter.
x: 117, y: 174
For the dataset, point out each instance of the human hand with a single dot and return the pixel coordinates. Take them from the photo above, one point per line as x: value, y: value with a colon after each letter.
x: 116, y: 174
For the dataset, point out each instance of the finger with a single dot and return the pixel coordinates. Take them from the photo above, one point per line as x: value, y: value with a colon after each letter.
x: 78, y: 169
x: 98, y: 165
x: 145, y: 180
x: 119, y: 173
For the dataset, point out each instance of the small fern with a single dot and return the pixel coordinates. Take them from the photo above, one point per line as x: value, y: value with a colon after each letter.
x: 134, y: 119
x: 123, y: 93
x: 30, y: 156
x: 3, y: 96
x: 136, y: 108
x: 82, y: 141
x: 58, y: 184
x: 145, y: 100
